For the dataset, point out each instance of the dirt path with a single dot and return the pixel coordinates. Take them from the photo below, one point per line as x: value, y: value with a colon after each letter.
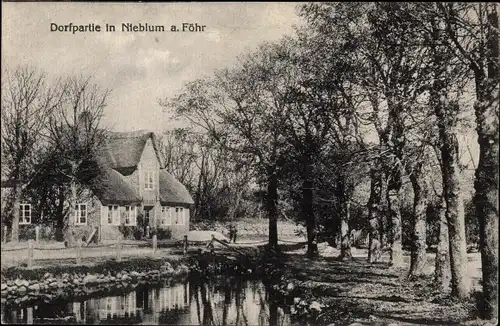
x: 359, y: 293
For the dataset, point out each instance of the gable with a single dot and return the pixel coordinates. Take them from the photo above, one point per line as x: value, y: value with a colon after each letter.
x: 123, y: 151
x: 149, y: 159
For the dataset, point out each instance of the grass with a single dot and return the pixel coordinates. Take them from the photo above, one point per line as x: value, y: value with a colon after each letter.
x: 353, y: 291
x: 91, y: 266
x: 377, y: 294
x: 67, y: 256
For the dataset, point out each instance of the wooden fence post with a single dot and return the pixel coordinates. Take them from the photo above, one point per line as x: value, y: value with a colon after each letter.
x: 30, y: 253
x: 37, y: 233
x: 29, y: 315
x: 147, y: 232
x: 79, y: 252
x: 185, y: 244
x: 155, y: 243
x: 212, y: 245
x: 5, y: 234
x: 119, y: 250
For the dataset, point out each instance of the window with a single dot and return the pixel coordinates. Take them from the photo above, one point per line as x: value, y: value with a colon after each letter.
x: 81, y: 214
x: 130, y: 215
x: 149, y: 180
x: 179, y: 215
x: 113, y: 215
x: 166, y: 216
x: 111, y: 305
x: 25, y: 214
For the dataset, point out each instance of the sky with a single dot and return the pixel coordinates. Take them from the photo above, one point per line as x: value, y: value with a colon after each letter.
x: 139, y: 67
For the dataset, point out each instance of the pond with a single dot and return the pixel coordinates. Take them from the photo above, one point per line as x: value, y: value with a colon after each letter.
x: 214, y: 302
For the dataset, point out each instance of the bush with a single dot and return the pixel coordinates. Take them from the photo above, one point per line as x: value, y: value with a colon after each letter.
x: 162, y: 234
x: 27, y: 232
x: 131, y: 232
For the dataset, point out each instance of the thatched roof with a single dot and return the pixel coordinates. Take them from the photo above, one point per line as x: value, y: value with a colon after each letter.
x: 112, y: 187
x: 172, y: 191
x: 123, y: 150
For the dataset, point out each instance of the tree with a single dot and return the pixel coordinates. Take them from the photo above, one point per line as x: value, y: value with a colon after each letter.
x: 420, y: 194
x: 392, y: 71
x: 28, y: 102
x: 319, y: 121
x: 239, y: 110
x: 474, y: 37
x: 442, y: 273
x: 76, y: 135
x: 180, y: 153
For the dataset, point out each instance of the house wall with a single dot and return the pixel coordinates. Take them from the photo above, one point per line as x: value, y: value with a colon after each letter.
x: 112, y: 232
x: 93, y: 217
x: 149, y: 162
x: 178, y: 231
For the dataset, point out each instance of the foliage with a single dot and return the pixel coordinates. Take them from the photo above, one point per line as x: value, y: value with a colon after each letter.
x: 161, y: 233
x: 131, y: 232
x: 211, y: 173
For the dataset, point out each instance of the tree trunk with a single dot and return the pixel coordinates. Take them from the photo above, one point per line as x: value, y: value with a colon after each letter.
x: 455, y: 214
x: 419, y: 243
x: 307, y: 210
x: 18, y: 191
x: 397, y: 143
x: 446, y: 114
x: 442, y: 273
x: 344, y: 206
x: 486, y: 182
x: 198, y: 194
x: 456, y: 219
x: 69, y: 236
x: 271, y: 200
x: 394, y: 198
x: 394, y: 195
x: 375, y: 215
x: 486, y: 205
x: 59, y: 235
x: 345, y: 245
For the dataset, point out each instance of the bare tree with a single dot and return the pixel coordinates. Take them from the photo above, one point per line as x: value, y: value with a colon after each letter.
x: 76, y: 135
x: 28, y: 102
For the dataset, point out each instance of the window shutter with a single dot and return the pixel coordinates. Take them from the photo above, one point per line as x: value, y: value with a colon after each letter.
x: 116, y: 215
x: 104, y: 214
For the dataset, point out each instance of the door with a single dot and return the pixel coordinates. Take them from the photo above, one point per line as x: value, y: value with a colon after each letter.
x: 147, y: 217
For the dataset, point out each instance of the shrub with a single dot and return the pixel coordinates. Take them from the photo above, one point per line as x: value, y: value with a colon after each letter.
x: 162, y: 234
x: 131, y: 232
x: 27, y: 232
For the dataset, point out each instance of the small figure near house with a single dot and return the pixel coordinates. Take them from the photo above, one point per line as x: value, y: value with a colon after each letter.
x: 232, y: 232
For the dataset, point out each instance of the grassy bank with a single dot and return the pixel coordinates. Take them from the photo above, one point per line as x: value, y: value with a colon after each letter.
x: 358, y: 293
x: 96, y: 267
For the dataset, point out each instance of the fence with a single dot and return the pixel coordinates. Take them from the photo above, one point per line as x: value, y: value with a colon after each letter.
x: 114, y: 250
x: 30, y: 232
x: 80, y: 251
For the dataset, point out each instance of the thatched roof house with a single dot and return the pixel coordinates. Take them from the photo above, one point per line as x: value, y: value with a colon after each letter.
x: 120, y: 158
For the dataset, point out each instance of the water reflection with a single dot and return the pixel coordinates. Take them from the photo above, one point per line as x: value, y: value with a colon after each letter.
x: 226, y: 302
